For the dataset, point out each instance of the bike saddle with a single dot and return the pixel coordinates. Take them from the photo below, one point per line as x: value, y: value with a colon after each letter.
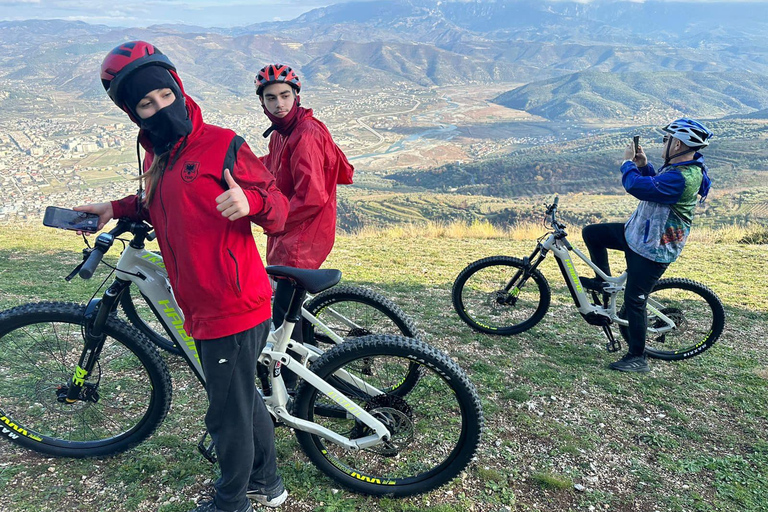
x: 314, y: 281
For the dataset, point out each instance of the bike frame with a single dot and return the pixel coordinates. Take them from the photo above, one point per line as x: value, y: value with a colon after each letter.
x: 557, y: 243
x: 145, y: 269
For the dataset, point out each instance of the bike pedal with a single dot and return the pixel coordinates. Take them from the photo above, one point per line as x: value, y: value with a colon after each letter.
x: 209, y: 451
x: 613, y: 345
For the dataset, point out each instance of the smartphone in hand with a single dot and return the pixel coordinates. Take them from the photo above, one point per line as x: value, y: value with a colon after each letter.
x: 636, y: 143
x: 64, y: 218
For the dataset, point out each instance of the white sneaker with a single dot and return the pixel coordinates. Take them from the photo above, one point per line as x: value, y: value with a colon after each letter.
x: 268, y: 501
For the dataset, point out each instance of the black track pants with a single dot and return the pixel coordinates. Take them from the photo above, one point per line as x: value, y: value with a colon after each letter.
x: 237, y: 419
x: 642, y: 275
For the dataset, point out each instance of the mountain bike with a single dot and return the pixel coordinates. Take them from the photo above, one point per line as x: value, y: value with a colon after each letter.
x: 341, y: 312
x: 379, y: 414
x: 505, y: 295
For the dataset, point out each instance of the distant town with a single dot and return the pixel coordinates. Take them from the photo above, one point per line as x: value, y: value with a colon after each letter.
x: 66, y: 152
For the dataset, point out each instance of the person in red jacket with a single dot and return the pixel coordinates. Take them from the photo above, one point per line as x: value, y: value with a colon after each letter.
x: 307, y: 166
x: 204, y: 188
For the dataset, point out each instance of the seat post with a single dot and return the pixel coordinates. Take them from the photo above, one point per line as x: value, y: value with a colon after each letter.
x: 293, y: 314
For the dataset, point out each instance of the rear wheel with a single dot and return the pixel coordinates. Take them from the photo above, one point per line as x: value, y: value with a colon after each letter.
x: 123, y: 401
x: 435, y: 428
x: 500, y: 295
x: 695, y: 310
x: 353, y: 311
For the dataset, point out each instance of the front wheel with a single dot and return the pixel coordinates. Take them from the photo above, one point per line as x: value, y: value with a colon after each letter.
x: 123, y: 401
x: 500, y: 295
x: 435, y: 428
x: 696, y: 312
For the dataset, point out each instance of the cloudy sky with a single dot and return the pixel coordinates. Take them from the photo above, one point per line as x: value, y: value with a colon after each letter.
x: 142, y: 13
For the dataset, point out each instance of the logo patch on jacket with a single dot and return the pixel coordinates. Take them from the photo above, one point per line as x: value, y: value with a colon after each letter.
x: 189, y: 172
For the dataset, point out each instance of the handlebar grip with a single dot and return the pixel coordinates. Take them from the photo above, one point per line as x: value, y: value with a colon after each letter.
x: 557, y: 200
x: 91, y: 263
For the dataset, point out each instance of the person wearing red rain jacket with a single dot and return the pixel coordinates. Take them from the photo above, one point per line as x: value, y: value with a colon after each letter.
x: 307, y: 166
x: 204, y: 188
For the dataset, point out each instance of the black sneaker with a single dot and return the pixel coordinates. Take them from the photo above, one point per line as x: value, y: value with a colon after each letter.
x: 630, y: 363
x: 271, y: 499
x: 210, y: 506
x: 592, y: 283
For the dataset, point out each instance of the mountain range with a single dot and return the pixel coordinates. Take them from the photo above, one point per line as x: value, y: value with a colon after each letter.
x: 577, y: 60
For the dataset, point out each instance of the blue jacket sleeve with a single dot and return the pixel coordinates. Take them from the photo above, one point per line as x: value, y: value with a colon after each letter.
x: 665, y: 188
x: 647, y: 170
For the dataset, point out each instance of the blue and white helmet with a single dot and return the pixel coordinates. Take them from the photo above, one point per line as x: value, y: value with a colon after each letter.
x: 690, y: 132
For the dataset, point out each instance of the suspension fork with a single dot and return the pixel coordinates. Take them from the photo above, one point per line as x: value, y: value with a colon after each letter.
x: 96, y: 315
x: 530, y: 264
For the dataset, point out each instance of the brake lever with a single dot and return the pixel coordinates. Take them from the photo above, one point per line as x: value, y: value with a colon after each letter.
x: 86, y: 253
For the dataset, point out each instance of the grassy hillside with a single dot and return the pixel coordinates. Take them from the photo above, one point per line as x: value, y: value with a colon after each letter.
x: 615, y: 95
x: 587, y: 166
x: 690, y: 436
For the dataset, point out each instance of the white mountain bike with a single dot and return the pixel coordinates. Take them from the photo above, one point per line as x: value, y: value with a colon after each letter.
x: 380, y: 414
x: 341, y: 312
x: 505, y: 295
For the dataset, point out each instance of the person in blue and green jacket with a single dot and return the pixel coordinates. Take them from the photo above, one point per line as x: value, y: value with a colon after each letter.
x: 655, y: 234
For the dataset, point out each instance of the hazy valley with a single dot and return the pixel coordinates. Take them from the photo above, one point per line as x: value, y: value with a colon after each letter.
x: 448, y: 110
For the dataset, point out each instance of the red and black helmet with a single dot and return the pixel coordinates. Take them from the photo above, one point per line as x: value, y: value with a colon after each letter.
x: 124, y: 60
x: 276, y: 73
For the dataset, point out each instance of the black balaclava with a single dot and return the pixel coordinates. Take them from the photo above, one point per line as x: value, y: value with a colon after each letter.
x: 168, y: 124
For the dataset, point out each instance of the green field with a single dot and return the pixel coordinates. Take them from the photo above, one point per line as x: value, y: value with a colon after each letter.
x: 689, y: 436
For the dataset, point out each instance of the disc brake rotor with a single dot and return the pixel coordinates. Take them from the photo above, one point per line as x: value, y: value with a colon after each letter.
x: 395, y: 414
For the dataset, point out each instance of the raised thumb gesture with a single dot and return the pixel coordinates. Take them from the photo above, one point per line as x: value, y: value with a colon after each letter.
x: 230, y: 180
x: 232, y: 204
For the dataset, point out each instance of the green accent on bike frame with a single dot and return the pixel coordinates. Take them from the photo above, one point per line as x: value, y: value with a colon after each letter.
x: 178, y: 324
x: 154, y: 258
x: 574, y: 275
x: 17, y: 430
x: 346, y: 403
x: 79, y: 377
x: 354, y: 473
x: 325, y: 330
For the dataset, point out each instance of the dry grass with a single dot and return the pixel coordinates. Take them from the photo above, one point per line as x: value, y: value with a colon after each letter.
x: 480, y: 229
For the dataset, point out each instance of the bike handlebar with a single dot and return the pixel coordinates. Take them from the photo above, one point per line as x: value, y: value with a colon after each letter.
x: 552, y: 214
x: 104, y: 241
x: 86, y: 271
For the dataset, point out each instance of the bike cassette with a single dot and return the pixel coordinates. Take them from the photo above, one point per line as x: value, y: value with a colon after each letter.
x: 395, y: 414
x: 677, y: 316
